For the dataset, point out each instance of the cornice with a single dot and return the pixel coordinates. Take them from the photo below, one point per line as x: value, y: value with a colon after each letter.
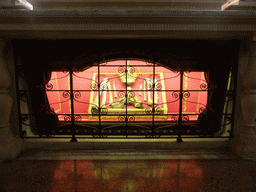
x: 126, y: 21
x: 128, y: 12
x: 230, y: 19
x: 128, y: 4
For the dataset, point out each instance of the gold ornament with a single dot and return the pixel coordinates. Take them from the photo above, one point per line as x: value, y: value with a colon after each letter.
x: 128, y: 77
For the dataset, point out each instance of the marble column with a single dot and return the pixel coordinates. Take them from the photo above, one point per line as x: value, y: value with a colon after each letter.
x: 10, y: 145
x: 244, y: 141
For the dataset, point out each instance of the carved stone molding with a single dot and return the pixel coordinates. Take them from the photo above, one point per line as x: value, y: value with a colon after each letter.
x: 127, y: 4
x: 127, y: 23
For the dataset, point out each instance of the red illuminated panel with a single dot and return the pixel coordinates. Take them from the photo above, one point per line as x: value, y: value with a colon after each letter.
x: 85, y: 90
x: 58, y: 96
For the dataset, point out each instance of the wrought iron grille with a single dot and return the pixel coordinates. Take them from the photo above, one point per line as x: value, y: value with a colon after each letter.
x: 126, y: 99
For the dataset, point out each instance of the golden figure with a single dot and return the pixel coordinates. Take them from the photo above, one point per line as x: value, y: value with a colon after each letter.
x: 130, y: 100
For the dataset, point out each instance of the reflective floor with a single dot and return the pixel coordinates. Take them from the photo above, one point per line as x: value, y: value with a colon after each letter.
x: 103, y: 171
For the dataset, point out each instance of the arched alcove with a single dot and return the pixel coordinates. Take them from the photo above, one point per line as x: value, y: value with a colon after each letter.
x: 209, y: 120
x: 212, y: 117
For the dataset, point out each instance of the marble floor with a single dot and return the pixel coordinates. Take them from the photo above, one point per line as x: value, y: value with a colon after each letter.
x: 128, y: 170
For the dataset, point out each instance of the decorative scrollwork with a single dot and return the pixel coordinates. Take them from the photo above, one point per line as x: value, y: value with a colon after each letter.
x: 67, y: 118
x: 94, y: 86
x: 203, y: 86
x: 202, y: 110
x: 131, y: 94
x: 66, y: 94
x: 48, y: 86
x: 185, y: 118
x: 158, y: 86
x: 132, y: 69
x: 121, y: 69
x: 121, y: 94
x: 148, y: 111
x: 121, y: 118
x: 78, y: 118
x: 174, y: 118
x: 158, y: 111
x: 131, y: 118
x: 186, y: 94
x: 175, y: 94
x: 77, y: 94
x: 95, y: 110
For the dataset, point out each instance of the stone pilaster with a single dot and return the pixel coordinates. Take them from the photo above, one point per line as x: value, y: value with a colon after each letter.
x: 10, y: 145
x: 248, y: 103
x: 244, y: 141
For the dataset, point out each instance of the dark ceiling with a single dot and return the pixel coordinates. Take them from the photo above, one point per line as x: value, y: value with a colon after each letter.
x: 46, y: 51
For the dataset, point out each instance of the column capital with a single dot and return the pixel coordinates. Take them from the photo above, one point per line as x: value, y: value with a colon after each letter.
x: 15, y: 4
x: 239, y: 5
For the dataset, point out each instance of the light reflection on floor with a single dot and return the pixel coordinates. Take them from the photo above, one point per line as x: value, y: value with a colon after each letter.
x: 222, y: 172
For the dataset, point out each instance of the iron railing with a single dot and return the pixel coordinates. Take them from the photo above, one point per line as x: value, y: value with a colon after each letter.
x: 149, y: 121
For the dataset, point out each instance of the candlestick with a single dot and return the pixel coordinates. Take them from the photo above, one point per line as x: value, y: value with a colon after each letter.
x: 145, y: 96
x: 110, y: 94
x: 150, y: 102
x: 140, y: 90
x: 155, y: 92
x: 114, y: 89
